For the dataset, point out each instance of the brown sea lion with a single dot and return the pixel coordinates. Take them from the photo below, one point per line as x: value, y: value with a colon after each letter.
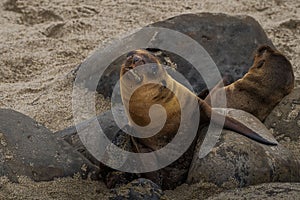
x: 147, y: 94
x: 138, y: 107
x: 269, y: 79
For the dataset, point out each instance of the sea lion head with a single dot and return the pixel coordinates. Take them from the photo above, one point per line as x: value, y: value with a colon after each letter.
x: 272, y: 73
x: 267, y: 57
x: 143, y: 83
x: 141, y: 66
x: 274, y: 68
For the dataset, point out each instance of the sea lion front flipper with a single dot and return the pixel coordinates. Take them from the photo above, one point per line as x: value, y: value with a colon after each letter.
x: 240, y: 122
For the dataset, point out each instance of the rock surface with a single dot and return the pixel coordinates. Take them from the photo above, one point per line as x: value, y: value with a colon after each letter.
x: 270, y: 191
x: 229, y: 40
x: 237, y: 161
x: 284, y: 121
x: 140, y: 189
x: 70, y: 135
x: 29, y: 149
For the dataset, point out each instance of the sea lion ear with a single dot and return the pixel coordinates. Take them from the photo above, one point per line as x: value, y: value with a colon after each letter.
x: 263, y: 48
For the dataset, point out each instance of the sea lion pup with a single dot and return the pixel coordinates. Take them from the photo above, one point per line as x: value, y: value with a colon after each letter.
x: 148, y: 94
x: 269, y: 79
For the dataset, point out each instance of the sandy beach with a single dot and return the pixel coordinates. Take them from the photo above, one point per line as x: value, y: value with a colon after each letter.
x: 42, y: 42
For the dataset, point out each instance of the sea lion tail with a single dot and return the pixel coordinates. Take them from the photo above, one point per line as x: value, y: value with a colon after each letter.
x: 232, y: 124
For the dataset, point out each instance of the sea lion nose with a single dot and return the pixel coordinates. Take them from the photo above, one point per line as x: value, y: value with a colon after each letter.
x: 264, y: 49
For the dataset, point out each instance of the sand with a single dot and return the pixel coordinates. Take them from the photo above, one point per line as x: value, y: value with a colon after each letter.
x: 42, y: 42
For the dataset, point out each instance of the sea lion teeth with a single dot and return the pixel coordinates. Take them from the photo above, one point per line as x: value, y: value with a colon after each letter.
x: 136, y: 76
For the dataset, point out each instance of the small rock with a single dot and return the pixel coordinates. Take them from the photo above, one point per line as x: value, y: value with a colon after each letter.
x: 140, y: 189
x: 54, y: 30
x: 291, y: 24
x: 12, y: 5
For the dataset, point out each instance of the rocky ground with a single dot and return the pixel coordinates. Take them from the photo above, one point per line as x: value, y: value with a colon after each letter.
x: 42, y: 43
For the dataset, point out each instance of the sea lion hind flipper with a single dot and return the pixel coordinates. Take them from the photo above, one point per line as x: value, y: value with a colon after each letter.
x: 235, y: 125
x: 231, y: 123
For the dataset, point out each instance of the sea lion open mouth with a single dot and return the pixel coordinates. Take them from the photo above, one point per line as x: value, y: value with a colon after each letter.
x: 140, y: 58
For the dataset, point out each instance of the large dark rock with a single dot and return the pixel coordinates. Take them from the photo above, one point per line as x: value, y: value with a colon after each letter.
x: 70, y: 134
x: 29, y: 149
x: 237, y: 161
x: 229, y: 40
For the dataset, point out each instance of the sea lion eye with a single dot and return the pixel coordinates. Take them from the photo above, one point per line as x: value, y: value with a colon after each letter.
x: 136, y: 59
x: 260, y: 63
x: 264, y: 49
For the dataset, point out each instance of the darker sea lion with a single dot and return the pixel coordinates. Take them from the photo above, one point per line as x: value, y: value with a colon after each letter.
x: 269, y: 79
x: 147, y: 94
